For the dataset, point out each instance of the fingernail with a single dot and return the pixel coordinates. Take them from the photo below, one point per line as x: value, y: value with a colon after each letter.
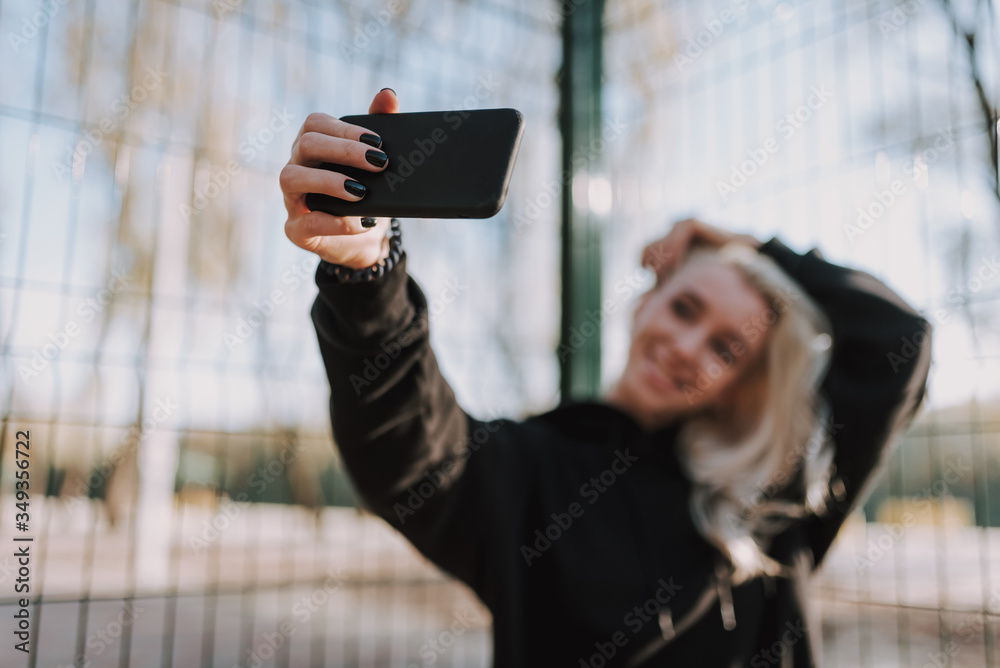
x: 355, y: 188
x: 370, y: 139
x: 368, y: 222
x: 393, y: 92
x: 377, y: 158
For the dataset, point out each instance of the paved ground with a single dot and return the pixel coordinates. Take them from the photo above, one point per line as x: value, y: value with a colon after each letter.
x: 277, y: 586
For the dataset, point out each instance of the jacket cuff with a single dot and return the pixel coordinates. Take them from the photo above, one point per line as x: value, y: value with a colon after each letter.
x: 788, y: 259
x: 826, y: 282
x: 360, y: 315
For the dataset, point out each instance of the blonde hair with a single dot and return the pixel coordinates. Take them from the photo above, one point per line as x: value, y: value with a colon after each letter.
x: 767, y: 459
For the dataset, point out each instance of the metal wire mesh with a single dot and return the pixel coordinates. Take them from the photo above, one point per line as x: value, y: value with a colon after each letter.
x: 186, y: 504
x: 867, y: 130
x: 185, y: 501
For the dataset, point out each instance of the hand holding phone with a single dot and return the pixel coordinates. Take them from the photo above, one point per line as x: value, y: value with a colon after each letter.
x: 442, y: 164
x: 339, y: 239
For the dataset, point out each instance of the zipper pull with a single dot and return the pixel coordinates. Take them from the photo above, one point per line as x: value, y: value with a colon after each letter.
x: 725, y: 597
x: 666, y: 624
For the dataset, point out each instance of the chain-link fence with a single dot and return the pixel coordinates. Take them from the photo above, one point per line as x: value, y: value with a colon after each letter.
x: 867, y: 130
x: 185, y: 503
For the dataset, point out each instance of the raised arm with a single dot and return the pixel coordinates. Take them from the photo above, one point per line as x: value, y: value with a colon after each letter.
x: 876, y: 381
x: 878, y: 372
x: 403, y: 438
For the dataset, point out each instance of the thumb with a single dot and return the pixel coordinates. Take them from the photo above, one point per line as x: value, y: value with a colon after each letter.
x: 384, y: 102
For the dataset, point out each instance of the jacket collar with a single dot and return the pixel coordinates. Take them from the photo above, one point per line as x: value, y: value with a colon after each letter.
x: 597, y: 421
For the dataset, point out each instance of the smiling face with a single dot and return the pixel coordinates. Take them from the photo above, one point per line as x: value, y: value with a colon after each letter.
x: 693, y: 338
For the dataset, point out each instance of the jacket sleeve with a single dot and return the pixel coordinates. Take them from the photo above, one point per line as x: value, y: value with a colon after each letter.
x: 876, y: 380
x: 402, y: 437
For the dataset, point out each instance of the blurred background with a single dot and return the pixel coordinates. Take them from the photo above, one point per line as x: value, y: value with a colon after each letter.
x: 186, y: 500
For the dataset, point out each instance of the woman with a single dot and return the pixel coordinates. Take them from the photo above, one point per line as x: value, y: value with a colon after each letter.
x: 675, y: 521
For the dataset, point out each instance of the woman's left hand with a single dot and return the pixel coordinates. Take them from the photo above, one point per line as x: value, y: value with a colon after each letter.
x: 664, y: 255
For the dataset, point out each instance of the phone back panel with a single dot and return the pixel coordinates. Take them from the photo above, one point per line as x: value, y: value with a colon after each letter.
x: 442, y: 164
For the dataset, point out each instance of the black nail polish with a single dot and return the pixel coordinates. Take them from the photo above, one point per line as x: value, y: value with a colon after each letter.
x: 377, y: 158
x: 368, y: 222
x: 370, y: 139
x: 355, y: 188
x: 393, y: 92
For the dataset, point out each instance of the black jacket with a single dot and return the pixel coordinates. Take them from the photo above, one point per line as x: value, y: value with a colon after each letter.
x: 572, y: 526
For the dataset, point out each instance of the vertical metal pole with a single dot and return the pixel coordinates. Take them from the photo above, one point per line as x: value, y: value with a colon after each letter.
x: 582, y: 162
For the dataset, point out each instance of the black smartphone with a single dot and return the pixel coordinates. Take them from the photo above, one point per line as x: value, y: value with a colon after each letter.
x: 442, y: 164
